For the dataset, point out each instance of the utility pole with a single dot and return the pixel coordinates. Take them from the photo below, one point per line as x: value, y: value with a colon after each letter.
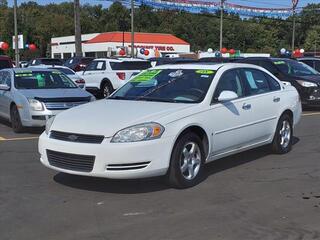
x: 221, y: 22
x: 16, y: 33
x: 293, y: 28
x: 132, y: 30
x: 294, y: 5
x: 77, y: 28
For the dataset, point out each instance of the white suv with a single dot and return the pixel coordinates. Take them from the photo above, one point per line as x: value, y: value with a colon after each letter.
x: 104, y: 75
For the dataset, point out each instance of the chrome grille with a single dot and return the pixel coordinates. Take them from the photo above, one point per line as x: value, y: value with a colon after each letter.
x: 75, y: 137
x: 62, y: 105
x: 74, y: 162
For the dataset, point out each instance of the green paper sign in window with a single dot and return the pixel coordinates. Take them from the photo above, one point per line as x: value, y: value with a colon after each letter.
x: 205, y: 71
x: 146, y: 76
x: 41, y: 81
x: 279, y: 62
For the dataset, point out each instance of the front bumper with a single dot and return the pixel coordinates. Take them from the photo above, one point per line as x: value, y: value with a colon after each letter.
x: 310, y: 96
x: 37, y: 118
x: 156, y: 152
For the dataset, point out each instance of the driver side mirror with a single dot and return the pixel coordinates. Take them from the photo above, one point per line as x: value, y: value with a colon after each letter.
x: 4, y: 87
x: 227, y: 96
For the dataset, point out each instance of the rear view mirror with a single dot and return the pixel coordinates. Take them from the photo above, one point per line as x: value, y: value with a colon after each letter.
x: 4, y: 87
x: 227, y: 96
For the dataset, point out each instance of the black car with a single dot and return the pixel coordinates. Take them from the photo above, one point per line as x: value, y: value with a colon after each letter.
x: 166, y: 60
x: 304, y: 78
x: 46, y: 61
x: 219, y: 59
x: 78, y: 63
x: 312, y: 62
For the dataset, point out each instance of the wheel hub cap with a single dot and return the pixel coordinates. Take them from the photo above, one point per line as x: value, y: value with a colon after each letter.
x: 190, y: 161
x: 285, y: 134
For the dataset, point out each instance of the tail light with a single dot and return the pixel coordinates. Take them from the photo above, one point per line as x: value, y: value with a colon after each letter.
x: 80, y: 81
x: 121, y: 75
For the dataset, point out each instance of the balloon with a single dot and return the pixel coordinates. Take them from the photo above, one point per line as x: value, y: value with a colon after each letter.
x: 4, y: 46
x: 224, y: 50
x: 283, y: 51
x: 32, y: 47
x: 122, y: 52
x: 218, y: 54
x: 27, y: 45
x: 210, y: 50
x: 142, y: 50
x: 1, y: 44
x: 146, y: 52
x: 302, y: 51
x: 232, y: 51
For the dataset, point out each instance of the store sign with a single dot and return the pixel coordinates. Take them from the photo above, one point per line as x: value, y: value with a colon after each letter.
x: 155, y: 47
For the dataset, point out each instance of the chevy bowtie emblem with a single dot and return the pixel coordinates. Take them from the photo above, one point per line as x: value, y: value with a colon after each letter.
x: 72, y: 137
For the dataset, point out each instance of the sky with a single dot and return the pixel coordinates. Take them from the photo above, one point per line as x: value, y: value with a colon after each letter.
x: 254, y: 3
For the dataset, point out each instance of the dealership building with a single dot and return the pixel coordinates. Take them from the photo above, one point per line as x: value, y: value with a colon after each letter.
x: 104, y: 44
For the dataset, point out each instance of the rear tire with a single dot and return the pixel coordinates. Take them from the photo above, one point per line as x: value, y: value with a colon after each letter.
x: 187, y: 162
x: 106, y: 90
x: 15, y: 120
x: 282, y: 141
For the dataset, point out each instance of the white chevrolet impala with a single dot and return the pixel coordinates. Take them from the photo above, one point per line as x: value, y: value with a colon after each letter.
x: 172, y: 120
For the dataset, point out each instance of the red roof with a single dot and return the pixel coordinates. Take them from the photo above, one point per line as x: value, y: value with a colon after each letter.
x: 158, y: 38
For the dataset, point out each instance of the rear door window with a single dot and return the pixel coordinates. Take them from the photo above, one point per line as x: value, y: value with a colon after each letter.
x: 132, y: 65
x: 4, y: 64
x: 96, y: 66
x: 256, y: 82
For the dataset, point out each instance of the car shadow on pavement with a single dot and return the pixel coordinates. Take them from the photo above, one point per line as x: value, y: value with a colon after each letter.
x: 157, y: 184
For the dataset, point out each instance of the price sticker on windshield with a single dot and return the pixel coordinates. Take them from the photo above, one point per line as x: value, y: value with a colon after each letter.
x: 279, y: 62
x: 205, y: 72
x: 146, y: 76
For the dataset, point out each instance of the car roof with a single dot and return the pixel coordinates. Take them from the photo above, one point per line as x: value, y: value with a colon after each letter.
x: 48, y: 66
x: 205, y: 65
x: 309, y: 58
x: 30, y: 69
x: 121, y: 59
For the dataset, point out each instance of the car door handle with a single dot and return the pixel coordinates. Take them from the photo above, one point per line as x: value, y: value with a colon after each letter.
x: 276, y: 99
x: 246, y: 106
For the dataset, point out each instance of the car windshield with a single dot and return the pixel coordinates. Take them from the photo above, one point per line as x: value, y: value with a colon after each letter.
x: 65, y: 71
x: 42, y: 80
x: 294, y: 68
x: 167, y: 85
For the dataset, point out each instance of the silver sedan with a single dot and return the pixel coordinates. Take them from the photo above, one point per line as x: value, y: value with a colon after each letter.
x: 28, y: 97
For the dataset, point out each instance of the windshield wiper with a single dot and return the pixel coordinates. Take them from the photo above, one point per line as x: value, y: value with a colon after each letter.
x: 119, y: 98
x: 153, y: 99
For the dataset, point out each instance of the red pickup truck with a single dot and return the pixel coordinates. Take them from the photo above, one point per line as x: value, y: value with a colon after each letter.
x: 5, y: 62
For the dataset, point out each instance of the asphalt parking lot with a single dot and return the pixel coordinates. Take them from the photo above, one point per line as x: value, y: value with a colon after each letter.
x: 253, y: 195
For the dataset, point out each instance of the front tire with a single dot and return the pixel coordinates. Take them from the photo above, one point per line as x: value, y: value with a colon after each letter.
x: 15, y: 120
x: 187, y: 162
x: 282, y: 141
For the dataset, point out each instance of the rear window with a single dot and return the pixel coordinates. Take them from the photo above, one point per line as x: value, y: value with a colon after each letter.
x: 47, y: 62
x: 65, y: 71
x: 138, y: 65
x: 5, y: 64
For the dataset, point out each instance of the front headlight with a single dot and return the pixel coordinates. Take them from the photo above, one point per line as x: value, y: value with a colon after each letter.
x: 49, y: 124
x: 141, y: 132
x: 35, y: 105
x: 306, y: 83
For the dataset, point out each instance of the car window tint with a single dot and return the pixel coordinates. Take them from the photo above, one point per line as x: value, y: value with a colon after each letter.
x: 132, y: 65
x: 317, y: 65
x: 256, y: 82
x: 268, y: 66
x: 274, y: 84
x: 4, y: 64
x: 96, y: 66
x: 229, y: 81
x: 1, y: 77
x: 7, y: 78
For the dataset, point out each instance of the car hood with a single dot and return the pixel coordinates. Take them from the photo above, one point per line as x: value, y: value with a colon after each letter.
x: 312, y: 78
x: 109, y: 116
x: 54, y: 93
